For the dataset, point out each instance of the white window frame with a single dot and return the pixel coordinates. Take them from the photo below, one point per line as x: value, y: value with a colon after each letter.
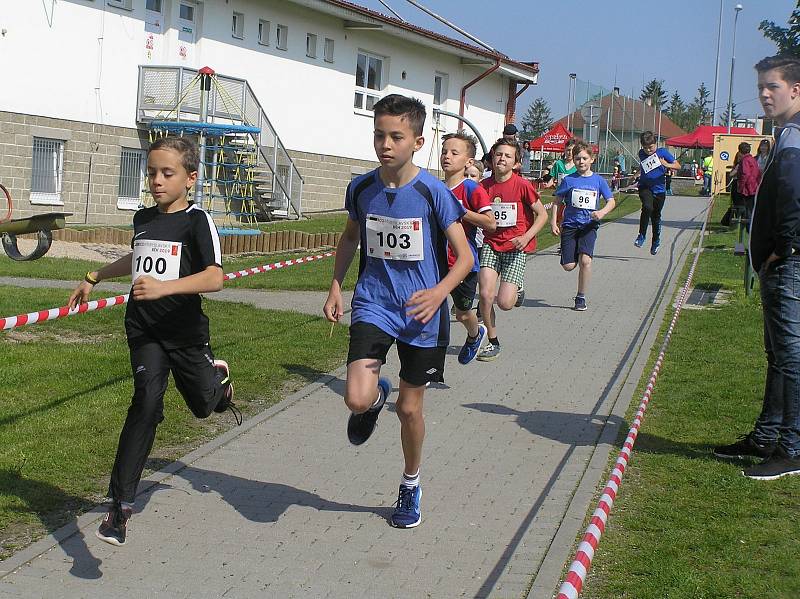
x: 190, y: 6
x: 329, y: 50
x: 56, y: 164
x: 311, y: 45
x: 282, y: 37
x: 123, y: 4
x: 367, y: 92
x: 126, y: 202
x: 237, y: 25
x: 263, y: 28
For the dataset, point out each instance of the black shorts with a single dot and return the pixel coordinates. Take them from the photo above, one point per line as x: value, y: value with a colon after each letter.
x: 418, y: 365
x: 464, y: 293
x: 575, y: 242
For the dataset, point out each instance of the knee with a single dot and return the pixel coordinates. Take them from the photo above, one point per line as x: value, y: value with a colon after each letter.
x: 462, y: 316
x: 586, y: 261
x: 506, y: 304
x: 359, y: 403
x: 568, y: 267
x: 146, y: 408
x: 487, y: 295
x: 407, y: 412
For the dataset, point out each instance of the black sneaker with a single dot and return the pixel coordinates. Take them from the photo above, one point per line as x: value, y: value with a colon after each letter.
x: 520, y: 297
x: 114, y: 526
x: 745, y: 447
x: 777, y: 465
x: 361, y: 426
x: 226, y: 403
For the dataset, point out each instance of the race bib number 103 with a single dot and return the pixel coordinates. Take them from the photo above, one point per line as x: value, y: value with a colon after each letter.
x: 394, y: 238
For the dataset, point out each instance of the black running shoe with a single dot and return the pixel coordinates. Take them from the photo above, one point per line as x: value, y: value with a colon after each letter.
x: 779, y: 464
x: 361, y: 426
x: 745, y: 447
x: 114, y: 526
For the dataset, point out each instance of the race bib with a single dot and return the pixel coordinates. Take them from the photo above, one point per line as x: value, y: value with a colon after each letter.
x: 158, y: 259
x: 651, y: 162
x: 394, y: 238
x: 505, y: 213
x: 585, y: 199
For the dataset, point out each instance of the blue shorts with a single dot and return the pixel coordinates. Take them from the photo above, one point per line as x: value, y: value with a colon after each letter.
x: 575, y: 242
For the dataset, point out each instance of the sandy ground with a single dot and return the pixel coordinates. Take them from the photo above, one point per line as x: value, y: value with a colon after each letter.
x: 102, y: 252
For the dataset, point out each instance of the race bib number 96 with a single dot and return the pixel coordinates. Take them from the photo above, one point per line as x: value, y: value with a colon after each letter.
x: 651, y: 162
x: 394, y: 238
x: 158, y: 259
x: 585, y: 199
x: 505, y: 213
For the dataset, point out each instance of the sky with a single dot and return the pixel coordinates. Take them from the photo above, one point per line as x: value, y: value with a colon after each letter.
x: 603, y: 41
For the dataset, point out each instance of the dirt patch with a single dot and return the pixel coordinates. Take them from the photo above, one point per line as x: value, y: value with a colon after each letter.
x: 65, y: 336
x: 97, y: 252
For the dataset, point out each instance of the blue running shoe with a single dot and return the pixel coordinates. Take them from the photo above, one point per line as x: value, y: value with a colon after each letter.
x: 361, y: 426
x: 655, y: 247
x: 639, y: 241
x: 470, y: 350
x: 580, y: 303
x: 406, y: 513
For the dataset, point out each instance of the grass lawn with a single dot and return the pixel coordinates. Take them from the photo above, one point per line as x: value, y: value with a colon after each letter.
x: 685, y: 524
x: 66, y: 386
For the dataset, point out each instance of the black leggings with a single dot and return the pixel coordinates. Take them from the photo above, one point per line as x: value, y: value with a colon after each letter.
x: 652, y: 205
x: 197, y: 381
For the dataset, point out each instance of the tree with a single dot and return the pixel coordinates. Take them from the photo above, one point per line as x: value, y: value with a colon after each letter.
x: 537, y: 120
x: 697, y: 113
x: 654, y: 90
x: 786, y: 38
x: 723, y: 119
x: 676, y: 110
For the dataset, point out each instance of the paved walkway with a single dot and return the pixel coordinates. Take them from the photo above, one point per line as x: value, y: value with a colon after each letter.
x: 285, y: 507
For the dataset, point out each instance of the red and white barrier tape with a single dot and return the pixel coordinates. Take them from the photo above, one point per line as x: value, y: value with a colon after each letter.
x: 576, y: 576
x: 12, y: 322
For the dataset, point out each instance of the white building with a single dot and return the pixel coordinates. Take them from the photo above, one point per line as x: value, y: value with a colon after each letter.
x: 72, y: 134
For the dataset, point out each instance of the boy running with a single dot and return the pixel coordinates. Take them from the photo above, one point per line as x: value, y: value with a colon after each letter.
x: 458, y: 154
x: 403, y: 218
x: 176, y: 257
x: 503, y: 251
x: 652, y: 187
x: 580, y: 193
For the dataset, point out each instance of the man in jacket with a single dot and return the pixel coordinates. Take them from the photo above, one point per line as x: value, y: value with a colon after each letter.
x: 775, y: 255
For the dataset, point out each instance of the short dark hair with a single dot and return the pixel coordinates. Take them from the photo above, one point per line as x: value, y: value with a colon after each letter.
x: 647, y: 138
x: 185, y: 146
x: 511, y: 144
x: 744, y: 147
x: 582, y: 146
x: 408, y: 109
x: 789, y: 66
x: 470, y: 140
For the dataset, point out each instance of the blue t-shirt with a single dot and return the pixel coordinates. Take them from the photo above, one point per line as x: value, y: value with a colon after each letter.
x: 655, y: 180
x: 403, y: 221
x: 572, y: 191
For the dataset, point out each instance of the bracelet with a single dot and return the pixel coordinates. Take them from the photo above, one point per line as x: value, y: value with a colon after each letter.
x: 90, y: 279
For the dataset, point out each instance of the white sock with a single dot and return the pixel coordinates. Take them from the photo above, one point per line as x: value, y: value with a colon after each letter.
x: 410, y: 480
x: 377, y: 401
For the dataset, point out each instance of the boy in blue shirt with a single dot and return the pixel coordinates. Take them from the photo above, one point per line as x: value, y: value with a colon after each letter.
x: 403, y: 218
x: 580, y: 193
x: 652, y: 187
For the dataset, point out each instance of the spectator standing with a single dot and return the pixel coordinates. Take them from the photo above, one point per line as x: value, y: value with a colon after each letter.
x: 763, y: 154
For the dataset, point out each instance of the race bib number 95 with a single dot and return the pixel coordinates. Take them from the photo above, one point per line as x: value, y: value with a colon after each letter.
x: 585, y: 199
x: 505, y: 213
x: 394, y: 238
x: 158, y: 259
x: 651, y: 162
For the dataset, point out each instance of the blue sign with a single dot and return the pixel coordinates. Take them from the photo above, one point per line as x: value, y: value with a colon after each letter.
x: 724, y: 155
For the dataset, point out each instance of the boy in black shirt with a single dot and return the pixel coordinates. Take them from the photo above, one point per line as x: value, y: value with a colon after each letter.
x: 176, y: 256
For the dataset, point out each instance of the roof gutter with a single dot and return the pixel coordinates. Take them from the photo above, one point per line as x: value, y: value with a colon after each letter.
x: 463, y: 101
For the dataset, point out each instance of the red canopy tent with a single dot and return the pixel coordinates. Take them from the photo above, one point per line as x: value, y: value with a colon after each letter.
x: 552, y: 141
x: 703, y: 136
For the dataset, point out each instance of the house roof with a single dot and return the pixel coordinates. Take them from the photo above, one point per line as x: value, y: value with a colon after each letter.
x: 359, y: 17
x: 628, y: 114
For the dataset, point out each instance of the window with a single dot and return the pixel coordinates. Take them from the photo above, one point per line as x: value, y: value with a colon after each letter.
x: 125, y: 4
x: 186, y: 12
x: 46, y: 171
x: 328, y: 49
x: 263, y: 32
x: 154, y: 5
x: 282, y: 37
x: 237, y: 25
x: 369, y: 79
x: 439, y: 89
x: 311, y: 45
x: 131, y: 178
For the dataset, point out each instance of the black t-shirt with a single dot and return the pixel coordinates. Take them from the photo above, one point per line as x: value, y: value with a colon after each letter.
x: 171, y: 245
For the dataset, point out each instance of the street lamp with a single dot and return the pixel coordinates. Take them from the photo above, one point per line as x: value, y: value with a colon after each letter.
x: 738, y: 9
x: 572, y: 77
x: 716, y: 66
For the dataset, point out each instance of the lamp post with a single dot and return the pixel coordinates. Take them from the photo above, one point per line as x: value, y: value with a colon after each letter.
x: 738, y: 9
x: 716, y: 67
x: 572, y: 78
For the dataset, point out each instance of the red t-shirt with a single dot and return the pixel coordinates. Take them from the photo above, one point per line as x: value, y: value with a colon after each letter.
x: 522, y: 195
x: 473, y: 197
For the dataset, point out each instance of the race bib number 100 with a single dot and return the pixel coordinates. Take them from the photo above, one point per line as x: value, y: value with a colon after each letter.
x: 394, y: 238
x: 158, y: 259
x: 651, y: 162
x: 585, y: 199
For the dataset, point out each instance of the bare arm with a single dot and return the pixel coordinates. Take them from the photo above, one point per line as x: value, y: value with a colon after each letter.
x: 334, y: 307
x: 600, y: 214
x: 118, y: 268
x: 210, y: 279
x: 557, y: 201
x: 485, y: 220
